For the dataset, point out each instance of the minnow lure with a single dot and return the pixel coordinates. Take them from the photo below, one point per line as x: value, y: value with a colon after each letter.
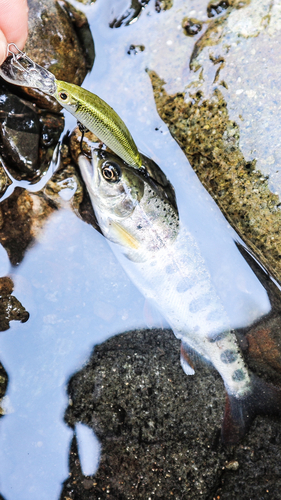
x: 164, y: 262
x: 89, y: 109
x: 97, y: 116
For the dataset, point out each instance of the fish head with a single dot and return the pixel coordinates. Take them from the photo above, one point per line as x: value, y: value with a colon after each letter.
x: 67, y: 95
x: 114, y: 188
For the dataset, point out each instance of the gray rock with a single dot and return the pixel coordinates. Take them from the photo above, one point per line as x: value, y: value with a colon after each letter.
x: 10, y: 309
x: 155, y: 441
x: 160, y: 430
x: 19, y: 131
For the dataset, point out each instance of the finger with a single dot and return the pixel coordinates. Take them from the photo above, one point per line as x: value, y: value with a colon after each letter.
x: 13, y: 21
x: 3, y: 47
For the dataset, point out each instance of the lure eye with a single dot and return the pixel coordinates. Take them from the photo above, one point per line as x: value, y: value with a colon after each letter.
x: 63, y: 96
x: 111, y: 172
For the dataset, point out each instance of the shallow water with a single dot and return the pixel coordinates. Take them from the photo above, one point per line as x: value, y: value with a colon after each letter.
x: 77, y: 293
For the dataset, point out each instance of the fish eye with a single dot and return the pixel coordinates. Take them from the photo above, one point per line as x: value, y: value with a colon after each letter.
x: 111, y: 172
x: 63, y: 96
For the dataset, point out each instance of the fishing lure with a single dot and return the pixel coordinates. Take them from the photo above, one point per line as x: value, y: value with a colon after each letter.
x: 19, y: 69
x: 89, y: 109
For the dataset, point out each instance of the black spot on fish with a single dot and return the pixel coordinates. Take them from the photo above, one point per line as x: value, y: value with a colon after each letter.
x: 219, y: 337
x: 170, y: 269
x: 214, y: 316
x: 238, y: 376
x: 198, y: 304
x: 184, y: 285
x: 229, y: 356
x: 139, y: 226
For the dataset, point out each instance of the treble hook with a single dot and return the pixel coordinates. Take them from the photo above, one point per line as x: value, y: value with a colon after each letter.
x: 19, y: 55
x: 19, y: 69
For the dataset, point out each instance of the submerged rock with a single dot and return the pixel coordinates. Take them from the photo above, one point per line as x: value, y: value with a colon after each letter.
x: 19, y: 134
x: 10, y: 308
x: 138, y: 401
x: 5, y: 181
x: 22, y: 216
x: 191, y: 26
x: 28, y: 137
x: 159, y: 430
x: 3, y: 387
x: 125, y: 17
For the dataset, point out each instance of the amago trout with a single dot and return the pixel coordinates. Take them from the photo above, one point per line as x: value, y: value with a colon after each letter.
x: 163, y: 260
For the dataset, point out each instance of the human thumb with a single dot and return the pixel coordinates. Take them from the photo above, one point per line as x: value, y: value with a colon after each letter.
x: 3, y: 47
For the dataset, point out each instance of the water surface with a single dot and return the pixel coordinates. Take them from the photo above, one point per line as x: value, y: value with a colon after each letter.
x: 76, y: 292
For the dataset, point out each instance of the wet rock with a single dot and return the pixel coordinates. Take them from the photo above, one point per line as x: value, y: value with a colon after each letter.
x: 76, y: 147
x: 59, y: 40
x: 132, y: 13
x: 258, y: 474
x: 51, y: 129
x: 10, y: 309
x: 28, y: 137
x: 135, y: 49
x: 227, y: 120
x: 22, y: 216
x: 86, y: 2
x: 159, y: 429
x: 129, y: 15
x: 191, y: 26
x: 52, y: 126
x: 19, y: 134
x: 65, y: 186
x: 3, y: 387
x: 163, y: 5
x: 136, y: 398
x: 85, y: 210
x: 215, y: 8
x: 4, y: 181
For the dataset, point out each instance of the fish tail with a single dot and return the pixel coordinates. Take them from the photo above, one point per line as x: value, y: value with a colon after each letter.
x: 263, y: 399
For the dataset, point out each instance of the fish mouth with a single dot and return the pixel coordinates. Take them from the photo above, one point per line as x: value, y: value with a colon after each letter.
x: 89, y: 170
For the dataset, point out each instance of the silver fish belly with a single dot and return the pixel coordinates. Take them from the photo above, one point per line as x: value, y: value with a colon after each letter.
x: 172, y: 274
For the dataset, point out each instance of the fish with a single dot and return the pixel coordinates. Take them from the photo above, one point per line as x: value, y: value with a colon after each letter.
x: 98, y: 117
x: 163, y: 260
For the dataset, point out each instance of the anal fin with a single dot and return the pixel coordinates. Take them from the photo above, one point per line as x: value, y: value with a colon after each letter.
x: 186, y: 362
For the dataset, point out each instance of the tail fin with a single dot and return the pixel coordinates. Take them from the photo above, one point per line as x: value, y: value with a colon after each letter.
x: 264, y: 399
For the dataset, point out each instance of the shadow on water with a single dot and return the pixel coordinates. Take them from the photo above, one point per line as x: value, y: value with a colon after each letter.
x: 122, y: 421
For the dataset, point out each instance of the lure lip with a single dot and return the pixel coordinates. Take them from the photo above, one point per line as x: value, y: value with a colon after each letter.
x: 19, y: 69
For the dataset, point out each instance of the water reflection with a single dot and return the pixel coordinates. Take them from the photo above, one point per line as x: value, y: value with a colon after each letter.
x: 77, y: 295
x: 75, y: 299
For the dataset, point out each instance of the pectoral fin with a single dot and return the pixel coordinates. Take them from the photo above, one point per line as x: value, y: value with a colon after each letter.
x: 123, y: 237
